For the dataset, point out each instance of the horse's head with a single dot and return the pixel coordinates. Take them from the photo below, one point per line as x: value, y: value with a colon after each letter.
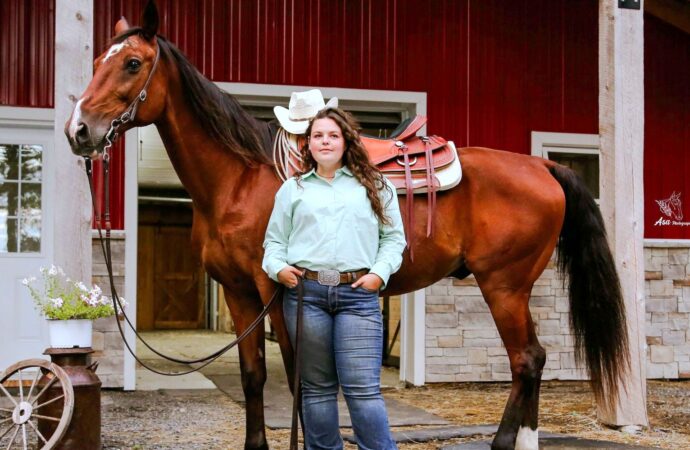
x: 126, y: 89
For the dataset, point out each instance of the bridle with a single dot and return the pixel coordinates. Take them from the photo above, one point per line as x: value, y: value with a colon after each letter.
x: 130, y: 113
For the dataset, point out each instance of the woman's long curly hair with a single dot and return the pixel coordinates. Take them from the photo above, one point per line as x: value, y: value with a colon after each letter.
x: 355, y: 158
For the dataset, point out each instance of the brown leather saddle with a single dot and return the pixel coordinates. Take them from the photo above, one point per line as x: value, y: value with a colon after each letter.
x: 409, y: 162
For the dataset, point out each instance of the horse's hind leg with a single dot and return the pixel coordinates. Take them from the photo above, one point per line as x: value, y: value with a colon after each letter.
x: 510, y: 310
x: 252, y: 367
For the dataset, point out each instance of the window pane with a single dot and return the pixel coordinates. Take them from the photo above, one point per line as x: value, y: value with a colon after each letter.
x: 9, y: 162
x: 8, y: 234
x: 31, y: 199
x: 30, y: 234
x: 585, y: 165
x: 8, y: 199
x: 32, y: 162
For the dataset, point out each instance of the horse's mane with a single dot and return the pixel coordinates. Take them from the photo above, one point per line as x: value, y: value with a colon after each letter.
x: 219, y: 113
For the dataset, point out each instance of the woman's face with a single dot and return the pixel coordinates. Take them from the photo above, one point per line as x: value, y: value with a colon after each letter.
x: 326, y: 143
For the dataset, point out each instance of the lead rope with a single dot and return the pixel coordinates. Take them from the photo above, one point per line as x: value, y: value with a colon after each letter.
x: 296, y: 385
x: 117, y: 304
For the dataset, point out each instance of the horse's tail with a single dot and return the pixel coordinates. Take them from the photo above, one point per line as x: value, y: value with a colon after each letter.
x: 597, y: 311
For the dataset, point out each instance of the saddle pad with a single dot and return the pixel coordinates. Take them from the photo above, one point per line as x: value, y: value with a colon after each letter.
x: 446, y: 178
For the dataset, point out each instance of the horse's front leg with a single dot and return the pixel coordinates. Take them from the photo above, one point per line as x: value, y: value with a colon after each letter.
x: 244, y: 309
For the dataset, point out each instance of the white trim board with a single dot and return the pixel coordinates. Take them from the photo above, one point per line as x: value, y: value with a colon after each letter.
x: 569, y: 142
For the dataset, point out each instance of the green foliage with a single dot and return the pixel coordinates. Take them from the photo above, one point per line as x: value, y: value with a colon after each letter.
x: 60, y: 298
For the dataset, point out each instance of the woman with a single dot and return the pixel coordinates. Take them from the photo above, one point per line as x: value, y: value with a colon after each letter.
x: 337, y: 225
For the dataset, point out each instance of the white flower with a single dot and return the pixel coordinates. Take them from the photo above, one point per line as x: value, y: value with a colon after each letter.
x: 53, y: 270
x: 123, y: 302
x: 25, y: 281
x: 82, y: 287
x: 32, y: 279
x: 57, y: 302
x: 43, y: 269
x: 60, y: 271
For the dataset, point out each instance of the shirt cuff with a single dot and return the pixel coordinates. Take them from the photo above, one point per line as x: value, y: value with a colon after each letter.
x: 274, y: 267
x: 383, y: 270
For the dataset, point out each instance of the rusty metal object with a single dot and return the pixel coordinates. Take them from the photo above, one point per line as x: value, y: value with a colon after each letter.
x: 43, y: 393
x: 84, y: 430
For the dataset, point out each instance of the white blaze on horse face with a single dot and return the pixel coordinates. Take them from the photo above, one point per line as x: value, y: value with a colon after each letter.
x: 76, y: 116
x: 114, y: 50
x: 527, y: 439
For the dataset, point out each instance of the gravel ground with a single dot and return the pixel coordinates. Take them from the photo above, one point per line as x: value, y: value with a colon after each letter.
x: 208, y: 419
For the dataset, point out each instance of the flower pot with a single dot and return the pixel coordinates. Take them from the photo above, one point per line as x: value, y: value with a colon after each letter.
x: 70, y: 333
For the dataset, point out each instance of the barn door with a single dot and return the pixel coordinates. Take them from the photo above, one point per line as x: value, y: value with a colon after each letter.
x: 171, y: 290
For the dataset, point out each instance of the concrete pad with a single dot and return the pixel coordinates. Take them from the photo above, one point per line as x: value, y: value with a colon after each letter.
x: 278, y: 404
x: 553, y: 442
x: 149, y: 381
x: 436, y: 433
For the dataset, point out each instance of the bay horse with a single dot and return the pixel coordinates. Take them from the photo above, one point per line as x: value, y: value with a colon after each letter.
x: 502, y: 224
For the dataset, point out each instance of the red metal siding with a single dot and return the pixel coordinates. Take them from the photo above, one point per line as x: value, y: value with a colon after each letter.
x: 667, y: 125
x: 27, y: 44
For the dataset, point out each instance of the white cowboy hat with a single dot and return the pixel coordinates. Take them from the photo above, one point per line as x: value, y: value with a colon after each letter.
x: 303, y: 106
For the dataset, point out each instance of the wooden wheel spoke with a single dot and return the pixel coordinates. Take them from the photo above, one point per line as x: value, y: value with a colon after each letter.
x: 45, y: 388
x: 37, y: 432
x: 7, y: 410
x: 21, y: 388
x: 49, y: 401
x: 2, y: 435
x: 24, y: 435
x: 14, y: 436
x: 33, y: 384
x: 5, y: 420
x: 54, y: 419
x: 4, y: 391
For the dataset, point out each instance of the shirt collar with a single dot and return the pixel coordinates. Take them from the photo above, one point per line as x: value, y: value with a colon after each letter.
x: 346, y: 170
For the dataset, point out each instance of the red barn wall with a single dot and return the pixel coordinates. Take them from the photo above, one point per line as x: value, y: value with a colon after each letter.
x: 493, y: 70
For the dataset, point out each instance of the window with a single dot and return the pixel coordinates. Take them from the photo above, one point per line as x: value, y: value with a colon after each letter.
x: 580, y: 152
x: 21, y: 168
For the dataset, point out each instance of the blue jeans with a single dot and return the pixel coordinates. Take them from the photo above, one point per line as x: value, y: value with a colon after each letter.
x: 342, y: 336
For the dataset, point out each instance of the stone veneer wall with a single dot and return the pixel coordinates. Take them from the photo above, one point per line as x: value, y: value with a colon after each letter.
x: 462, y: 343
x: 108, y: 346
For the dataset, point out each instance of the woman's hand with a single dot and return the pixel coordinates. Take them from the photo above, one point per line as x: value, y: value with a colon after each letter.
x: 369, y: 281
x: 289, y: 276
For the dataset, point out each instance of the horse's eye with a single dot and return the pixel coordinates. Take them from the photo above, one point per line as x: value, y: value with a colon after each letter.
x: 133, y: 65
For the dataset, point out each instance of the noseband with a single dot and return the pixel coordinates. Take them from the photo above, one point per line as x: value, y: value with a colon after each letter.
x: 131, y: 111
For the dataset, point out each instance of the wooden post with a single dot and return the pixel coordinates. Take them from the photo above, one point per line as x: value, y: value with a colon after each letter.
x: 621, y: 126
x: 73, y: 70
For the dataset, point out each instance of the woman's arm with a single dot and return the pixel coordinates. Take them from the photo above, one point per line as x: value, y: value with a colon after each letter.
x: 391, y: 237
x: 278, y: 233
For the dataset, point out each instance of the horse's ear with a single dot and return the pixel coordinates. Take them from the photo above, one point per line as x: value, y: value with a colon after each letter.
x: 121, y: 26
x: 150, y: 20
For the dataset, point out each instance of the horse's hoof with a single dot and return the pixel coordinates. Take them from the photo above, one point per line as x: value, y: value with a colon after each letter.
x: 263, y: 446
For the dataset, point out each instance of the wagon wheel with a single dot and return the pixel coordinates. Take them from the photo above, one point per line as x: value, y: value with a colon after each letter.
x: 19, y: 413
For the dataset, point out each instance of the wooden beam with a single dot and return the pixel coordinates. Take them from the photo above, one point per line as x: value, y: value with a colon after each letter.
x: 73, y: 68
x: 621, y: 129
x: 673, y: 12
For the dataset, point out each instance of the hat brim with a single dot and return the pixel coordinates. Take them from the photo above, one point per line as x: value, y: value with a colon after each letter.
x: 297, y: 127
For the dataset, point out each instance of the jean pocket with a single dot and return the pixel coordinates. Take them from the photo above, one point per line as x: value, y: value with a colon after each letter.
x: 370, y: 291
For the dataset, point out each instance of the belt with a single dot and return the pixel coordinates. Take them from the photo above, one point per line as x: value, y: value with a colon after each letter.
x: 333, y: 277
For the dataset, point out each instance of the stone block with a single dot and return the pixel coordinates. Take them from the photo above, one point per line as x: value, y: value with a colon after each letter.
x: 439, y: 308
x: 568, y: 360
x: 678, y: 256
x: 661, y: 354
x: 430, y: 377
x: 668, y: 304
x: 475, y: 321
x: 673, y: 337
x: 542, y: 301
x: 551, y: 342
x: 440, y: 367
x: 673, y: 271
x: 658, y: 252
x: 684, y: 370
x: 471, y: 305
x: 469, y: 281
x: 659, y: 317
x: 97, y: 340
x: 671, y: 371
x: 435, y: 331
x: 440, y: 300
x: 442, y: 320
x: 661, y: 287
x: 481, y: 342
x: 107, y: 324
x: 449, y: 341
x: 433, y: 351
x: 480, y: 333
x: 679, y: 320
x: 562, y: 305
x: 655, y: 371
x: 112, y: 380
x: 455, y: 351
x: 112, y: 362
x: 541, y: 291
x: 503, y: 359
x: 477, y: 356
x: 437, y: 290
x: 653, y: 275
x: 497, y: 351
x: 653, y: 340
x: 549, y: 327
x: 464, y: 291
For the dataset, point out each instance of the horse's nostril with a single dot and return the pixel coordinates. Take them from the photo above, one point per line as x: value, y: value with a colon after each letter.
x: 82, y: 135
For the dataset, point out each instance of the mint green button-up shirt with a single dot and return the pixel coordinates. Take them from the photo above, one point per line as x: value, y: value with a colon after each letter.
x: 321, y: 225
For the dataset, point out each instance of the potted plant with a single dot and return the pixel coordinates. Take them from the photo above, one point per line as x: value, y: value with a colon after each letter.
x: 69, y: 306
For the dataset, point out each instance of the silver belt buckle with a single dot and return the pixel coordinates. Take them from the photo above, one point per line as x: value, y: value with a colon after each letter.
x: 329, y: 277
